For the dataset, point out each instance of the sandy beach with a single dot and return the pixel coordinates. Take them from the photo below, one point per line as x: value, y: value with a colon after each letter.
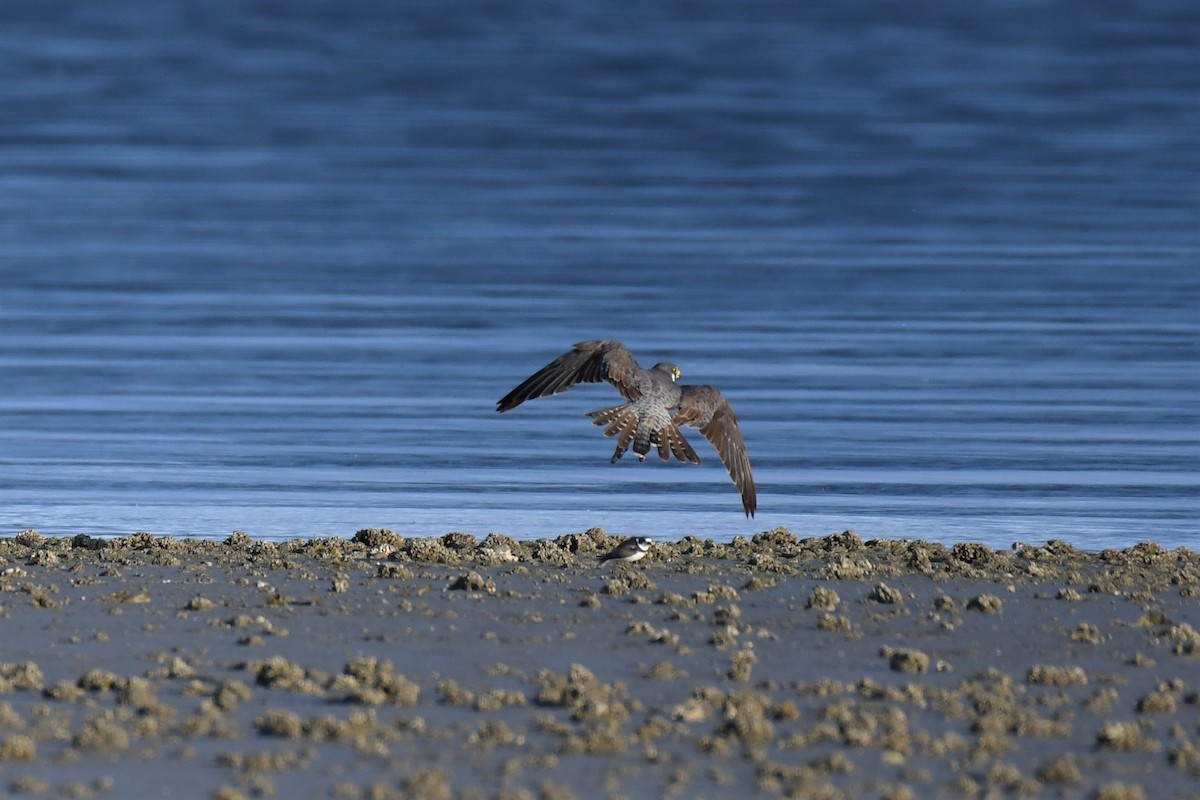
x: 379, y: 666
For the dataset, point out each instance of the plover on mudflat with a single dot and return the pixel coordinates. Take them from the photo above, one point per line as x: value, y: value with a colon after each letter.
x: 631, y: 549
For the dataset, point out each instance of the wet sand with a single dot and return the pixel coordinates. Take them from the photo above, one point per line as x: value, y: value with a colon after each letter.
x: 380, y: 667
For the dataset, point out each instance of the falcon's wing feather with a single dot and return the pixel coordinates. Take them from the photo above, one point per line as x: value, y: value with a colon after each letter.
x: 587, y: 362
x: 704, y: 407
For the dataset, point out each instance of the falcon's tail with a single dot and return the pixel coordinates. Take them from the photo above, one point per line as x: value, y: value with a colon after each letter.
x: 623, y: 423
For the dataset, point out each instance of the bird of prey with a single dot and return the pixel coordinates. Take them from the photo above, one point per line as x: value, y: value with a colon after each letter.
x: 656, y: 406
x: 632, y: 549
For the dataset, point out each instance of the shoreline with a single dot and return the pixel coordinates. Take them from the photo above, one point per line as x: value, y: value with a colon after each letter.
x: 452, y: 667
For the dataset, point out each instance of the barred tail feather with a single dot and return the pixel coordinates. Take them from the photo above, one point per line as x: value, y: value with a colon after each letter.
x: 679, y: 445
x: 621, y: 422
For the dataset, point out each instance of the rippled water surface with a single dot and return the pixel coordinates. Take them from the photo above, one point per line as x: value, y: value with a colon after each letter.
x: 269, y: 266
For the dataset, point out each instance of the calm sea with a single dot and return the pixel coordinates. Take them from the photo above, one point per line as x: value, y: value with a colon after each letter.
x: 268, y: 266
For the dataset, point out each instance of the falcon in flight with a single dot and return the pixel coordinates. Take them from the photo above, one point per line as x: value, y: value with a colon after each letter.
x: 656, y: 406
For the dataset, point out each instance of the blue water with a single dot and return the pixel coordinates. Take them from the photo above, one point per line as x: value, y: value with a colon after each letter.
x: 268, y: 266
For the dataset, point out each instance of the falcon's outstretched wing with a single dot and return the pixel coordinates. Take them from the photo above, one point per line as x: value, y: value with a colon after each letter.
x: 588, y: 362
x: 704, y: 407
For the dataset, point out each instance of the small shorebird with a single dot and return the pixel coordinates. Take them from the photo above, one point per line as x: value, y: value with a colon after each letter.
x: 656, y: 407
x: 632, y: 549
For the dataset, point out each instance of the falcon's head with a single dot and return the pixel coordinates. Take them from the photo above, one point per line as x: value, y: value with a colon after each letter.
x: 670, y: 369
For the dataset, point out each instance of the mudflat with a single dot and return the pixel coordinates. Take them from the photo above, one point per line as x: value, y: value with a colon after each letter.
x: 774, y: 666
